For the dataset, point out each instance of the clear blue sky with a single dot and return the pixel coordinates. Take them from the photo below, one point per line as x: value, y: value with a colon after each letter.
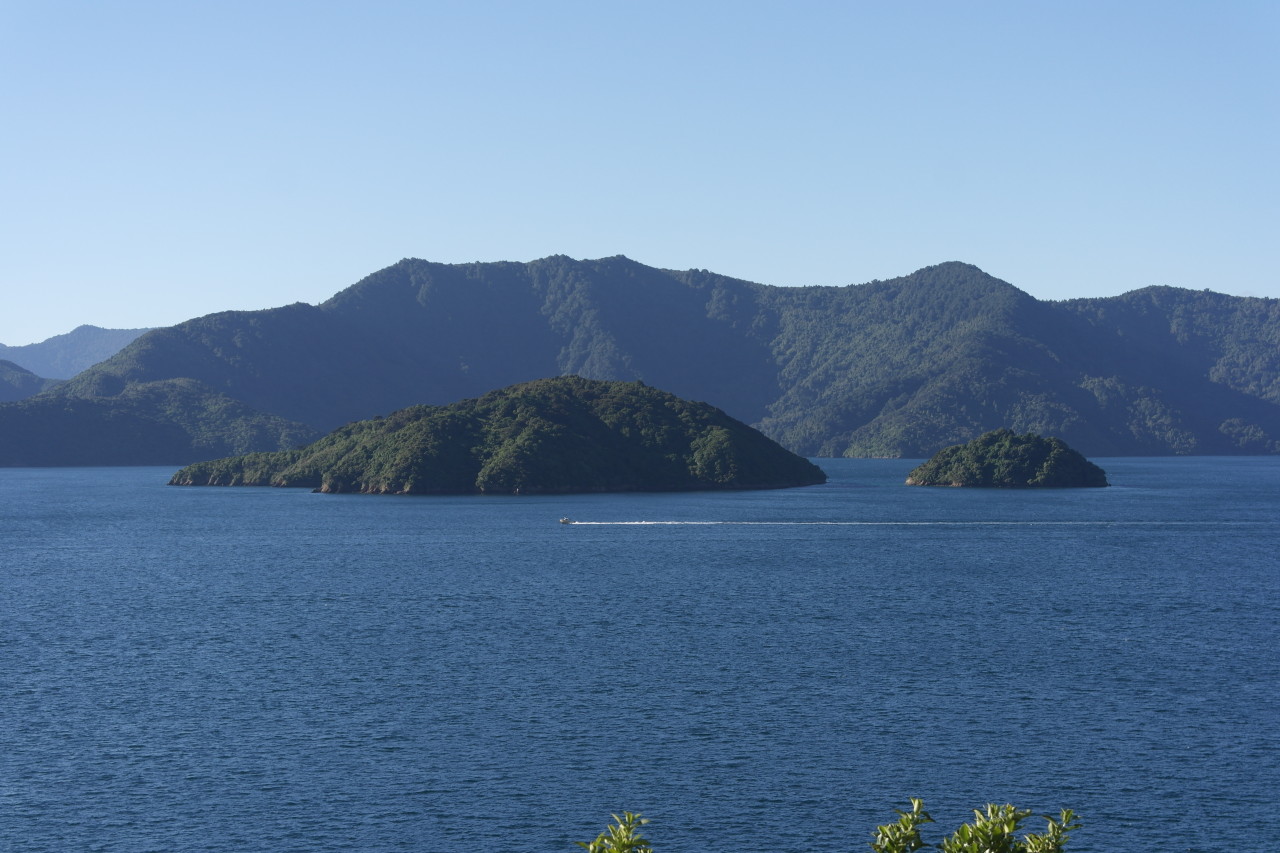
x: 166, y: 160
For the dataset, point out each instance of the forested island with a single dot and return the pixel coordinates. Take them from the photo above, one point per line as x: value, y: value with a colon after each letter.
x: 1003, y: 459
x: 561, y: 435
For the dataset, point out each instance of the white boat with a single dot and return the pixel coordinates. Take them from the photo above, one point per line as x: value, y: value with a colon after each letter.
x: 566, y: 520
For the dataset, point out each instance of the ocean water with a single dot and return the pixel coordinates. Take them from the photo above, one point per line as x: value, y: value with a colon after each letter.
x: 204, y: 669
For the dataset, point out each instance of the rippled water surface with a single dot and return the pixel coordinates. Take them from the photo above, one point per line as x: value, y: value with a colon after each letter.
x: 271, y: 670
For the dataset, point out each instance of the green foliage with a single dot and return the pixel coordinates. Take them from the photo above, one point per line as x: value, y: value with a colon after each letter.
x: 1004, y: 459
x: 567, y: 434
x: 903, y: 836
x: 994, y: 830
x: 621, y: 836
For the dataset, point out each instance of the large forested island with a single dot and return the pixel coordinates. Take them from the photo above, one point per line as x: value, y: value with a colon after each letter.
x: 560, y: 435
x: 1003, y: 459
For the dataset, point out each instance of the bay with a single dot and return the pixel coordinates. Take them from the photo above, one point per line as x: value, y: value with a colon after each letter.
x: 259, y: 669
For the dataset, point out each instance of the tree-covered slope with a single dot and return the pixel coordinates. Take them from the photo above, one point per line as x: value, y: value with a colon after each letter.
x: 567, y: 434
x: 890, y: 368
x: 1179, y: 370
x: 907, y: 366
x: 1005, y: 460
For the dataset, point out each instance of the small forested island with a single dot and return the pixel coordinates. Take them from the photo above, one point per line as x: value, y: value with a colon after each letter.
x: 1005, y: 460
x: 561, y: 435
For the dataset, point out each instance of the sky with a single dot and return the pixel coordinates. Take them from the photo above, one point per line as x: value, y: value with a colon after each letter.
x: 162, y: 160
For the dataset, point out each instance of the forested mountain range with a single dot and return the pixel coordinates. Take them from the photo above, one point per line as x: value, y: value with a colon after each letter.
x: 890, y: 368
x: 63, y: 356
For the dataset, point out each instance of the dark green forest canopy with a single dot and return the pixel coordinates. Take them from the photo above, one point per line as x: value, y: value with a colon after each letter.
x: 561, y: 435
x: 1004, y: 459
x: 897, y: 368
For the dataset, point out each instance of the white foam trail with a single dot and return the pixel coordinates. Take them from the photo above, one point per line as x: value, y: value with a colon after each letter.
x: 926, y: 523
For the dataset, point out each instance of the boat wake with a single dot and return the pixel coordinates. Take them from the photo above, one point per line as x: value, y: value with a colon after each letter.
x: 1162, y: 523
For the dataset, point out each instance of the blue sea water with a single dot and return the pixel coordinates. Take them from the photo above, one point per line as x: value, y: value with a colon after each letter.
x: 203, y: 669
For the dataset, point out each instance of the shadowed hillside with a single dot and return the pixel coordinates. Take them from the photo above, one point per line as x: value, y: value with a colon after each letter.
x: 18, y: 383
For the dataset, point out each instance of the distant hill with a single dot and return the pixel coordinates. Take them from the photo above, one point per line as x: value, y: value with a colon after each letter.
x: 63, y: 356
x: 891, y: 368
x: 17, y: 383
x: 560, y: 435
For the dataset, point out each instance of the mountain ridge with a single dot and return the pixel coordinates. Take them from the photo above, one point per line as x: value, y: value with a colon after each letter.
x: 899, y: 367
